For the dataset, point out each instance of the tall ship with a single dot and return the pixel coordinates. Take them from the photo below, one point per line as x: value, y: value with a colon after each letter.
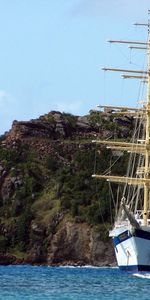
x: 131, y: 229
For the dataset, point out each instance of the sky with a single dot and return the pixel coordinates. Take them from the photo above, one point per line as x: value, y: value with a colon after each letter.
x: 52, y: 52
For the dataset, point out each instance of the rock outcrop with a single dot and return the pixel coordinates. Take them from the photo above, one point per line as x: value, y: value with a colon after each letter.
x: 48, y: 207
x: 77, y: 244
x: 73, y: 244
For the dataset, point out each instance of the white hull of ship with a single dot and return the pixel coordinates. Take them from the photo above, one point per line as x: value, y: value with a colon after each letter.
x: 132, y: 249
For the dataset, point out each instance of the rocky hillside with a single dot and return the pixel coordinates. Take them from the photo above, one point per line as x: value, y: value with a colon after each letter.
x: 51, y: 210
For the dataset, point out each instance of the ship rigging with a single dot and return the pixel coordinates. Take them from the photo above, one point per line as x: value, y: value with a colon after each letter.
x: 131, y: 230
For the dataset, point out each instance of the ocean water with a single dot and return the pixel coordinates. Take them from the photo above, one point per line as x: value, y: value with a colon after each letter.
x: 69, y: 283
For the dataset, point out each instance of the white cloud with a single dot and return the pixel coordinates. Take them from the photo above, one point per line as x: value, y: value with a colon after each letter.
x: 5, y: 99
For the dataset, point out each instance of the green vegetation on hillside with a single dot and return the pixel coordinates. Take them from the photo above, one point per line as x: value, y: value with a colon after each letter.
x: 38, y: 191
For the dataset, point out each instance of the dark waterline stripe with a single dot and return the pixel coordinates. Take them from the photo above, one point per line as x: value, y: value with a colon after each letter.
x: 135, y: 268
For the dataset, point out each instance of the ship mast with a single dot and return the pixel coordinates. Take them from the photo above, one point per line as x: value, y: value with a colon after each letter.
x: 143, y: 148
x: 147, y: 139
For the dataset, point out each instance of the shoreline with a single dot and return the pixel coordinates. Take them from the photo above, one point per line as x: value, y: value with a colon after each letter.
x: 8, y: 259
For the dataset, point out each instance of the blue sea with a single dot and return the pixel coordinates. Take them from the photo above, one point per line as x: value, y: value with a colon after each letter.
x: 70, y: 283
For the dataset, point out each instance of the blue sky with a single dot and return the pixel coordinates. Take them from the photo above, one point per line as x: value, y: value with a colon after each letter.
x: 52, y: 52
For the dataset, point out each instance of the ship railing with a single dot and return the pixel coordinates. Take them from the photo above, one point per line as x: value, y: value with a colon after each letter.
x: 139, y: 217
x: 140, y: 213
